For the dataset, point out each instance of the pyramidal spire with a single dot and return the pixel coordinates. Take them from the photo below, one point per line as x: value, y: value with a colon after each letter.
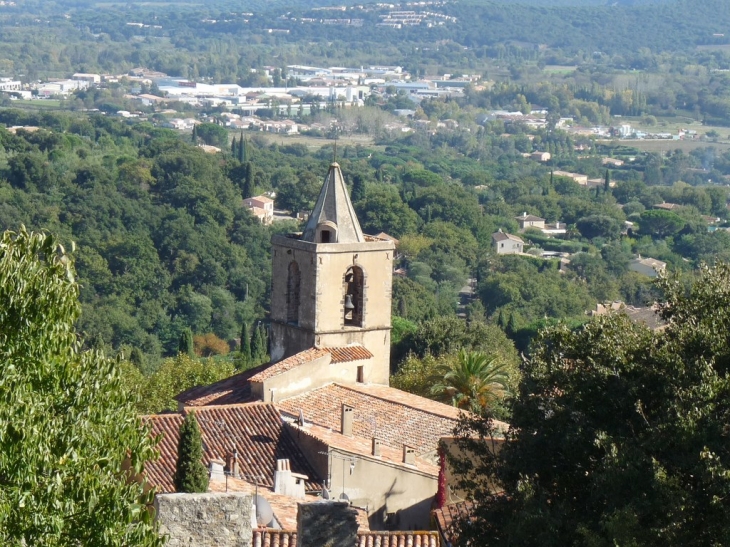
x: 333, y: 218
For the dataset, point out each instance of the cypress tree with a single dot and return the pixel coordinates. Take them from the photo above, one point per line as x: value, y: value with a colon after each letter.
x: 607, y: 183
x: 256, y: 350
x: 248, y: 185
x: 190, y: 473
x: 136, y: 357
x: 245, y: 343
x: 195, y: 134
x: 234, y: 146
x: 402, y: 308
x: 512, y: 326
x: 185, y: 345
x: 242, y: 149
x: 358, y: 188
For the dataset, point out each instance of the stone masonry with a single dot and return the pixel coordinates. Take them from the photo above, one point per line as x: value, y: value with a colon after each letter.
x: 205, y: 520
x: 326, y: 524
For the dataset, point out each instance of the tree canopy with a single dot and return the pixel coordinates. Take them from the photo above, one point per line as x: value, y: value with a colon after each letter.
x: 71, y: 440
x: 618, y: 433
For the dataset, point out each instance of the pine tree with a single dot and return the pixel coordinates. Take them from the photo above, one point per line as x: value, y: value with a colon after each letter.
x: 245, y: 343
x: 190, y: 473
x: 358, y: 188
x: 185, y: 345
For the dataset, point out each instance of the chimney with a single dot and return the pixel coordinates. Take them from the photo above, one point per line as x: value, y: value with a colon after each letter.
x: 348, y: 414
x: 376, y: 447
x: 232, y: 463
x: 409, y: 455
x: 286, y: 482
x: 216, y: 471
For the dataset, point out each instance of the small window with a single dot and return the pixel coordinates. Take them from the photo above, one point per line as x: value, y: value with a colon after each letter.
x: 361, y: 374
x: 325, y: 236
x: 501, y: 245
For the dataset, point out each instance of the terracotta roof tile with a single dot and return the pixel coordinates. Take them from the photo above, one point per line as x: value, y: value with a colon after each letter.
x: 398, y: 539
x: 288, y: 538
x: 349, y: 353
x: 446, y: 516
x: 306, y: 356
x: 257, y: 431
x: 391, y: 415
x: 363, y: 447
x: 232, y: 390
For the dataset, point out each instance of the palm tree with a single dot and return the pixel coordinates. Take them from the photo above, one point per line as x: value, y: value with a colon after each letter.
x: 473, y: 382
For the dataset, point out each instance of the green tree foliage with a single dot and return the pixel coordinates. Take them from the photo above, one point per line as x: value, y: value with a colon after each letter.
x: 174, y: 375
x: 245, y: 343
x: 445, y: 335
x: 186, y: 343
x: 599, y: 226
x: 617, y: 434
x: 68, y: 427
x: 212, y: 134
x: 358, y: 188
x: 191, y: 476
x: 248, y: 181
x: 660, y: 224
x: 474, y: 382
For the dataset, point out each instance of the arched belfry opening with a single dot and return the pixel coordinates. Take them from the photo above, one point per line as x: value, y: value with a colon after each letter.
x: 354, y: 302
x: 293, y: 285
x: 326, y: 232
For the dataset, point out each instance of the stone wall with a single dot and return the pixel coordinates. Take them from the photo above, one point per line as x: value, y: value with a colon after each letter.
x: 326, y: 524
x: 205, y: 520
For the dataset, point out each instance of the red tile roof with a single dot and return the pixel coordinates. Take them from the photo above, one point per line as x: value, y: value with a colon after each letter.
x: 349, y: 353
x: 232, y: 390
x: 306, y: 356
x: 255, y: 429
x: 446, y: 516
x: 391, y: 415
x: 288, y: 538
x: 363, y: 447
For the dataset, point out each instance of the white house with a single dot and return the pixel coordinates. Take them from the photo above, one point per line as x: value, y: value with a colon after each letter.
x: 507, y: 244
x: 647, y: 266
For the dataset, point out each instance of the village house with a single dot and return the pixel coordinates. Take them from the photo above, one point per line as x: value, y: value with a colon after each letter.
x: 664, y: 206
x: 506, y: 244
x: 580, y: 179
x: 647, y: 266
x: 320, y: 420
x: 262, y: 207
x: 541, y: 156
x: 530, y: 221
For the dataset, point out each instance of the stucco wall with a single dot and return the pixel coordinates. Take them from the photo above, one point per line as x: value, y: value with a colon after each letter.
x: 309, y: 376
x: 322, y: 296
x: 384, y: 487
x: 205, y: 520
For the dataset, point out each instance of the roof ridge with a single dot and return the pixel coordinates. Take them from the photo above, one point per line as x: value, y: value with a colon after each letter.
x: 382, y: 398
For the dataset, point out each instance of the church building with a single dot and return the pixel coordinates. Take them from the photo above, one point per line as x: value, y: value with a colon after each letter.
x: 320, y: 419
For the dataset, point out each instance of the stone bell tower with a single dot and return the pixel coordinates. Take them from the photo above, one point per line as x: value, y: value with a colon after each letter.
x: 332, y: 284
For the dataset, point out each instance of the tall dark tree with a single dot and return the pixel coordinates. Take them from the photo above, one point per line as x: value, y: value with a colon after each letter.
x: 185, y: 345
x: 248, y: 180
x: 191, y: 476
x: 234, y: 147
x: 607, y: 182
x: 242, y: 145
x: 195, y: 134
x: 136, y: 357
x: 358, y: 188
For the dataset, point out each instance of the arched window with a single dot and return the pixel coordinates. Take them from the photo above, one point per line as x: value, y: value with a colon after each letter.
x: 354, y: 296
x: 292, y: 293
